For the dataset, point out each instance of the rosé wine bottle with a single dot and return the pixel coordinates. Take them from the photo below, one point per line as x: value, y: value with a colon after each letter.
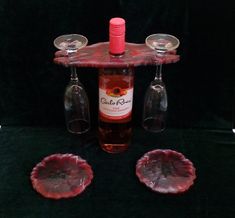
x: 115, y: 95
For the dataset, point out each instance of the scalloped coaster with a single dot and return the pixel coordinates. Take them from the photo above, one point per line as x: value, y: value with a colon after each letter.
x: 61, y: 176
x: 165, y: 171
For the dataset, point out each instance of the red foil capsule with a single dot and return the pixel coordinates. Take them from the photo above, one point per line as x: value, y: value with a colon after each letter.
x: 117, y: 31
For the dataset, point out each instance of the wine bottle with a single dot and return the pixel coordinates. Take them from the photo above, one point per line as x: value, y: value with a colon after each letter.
x: 115, y: 95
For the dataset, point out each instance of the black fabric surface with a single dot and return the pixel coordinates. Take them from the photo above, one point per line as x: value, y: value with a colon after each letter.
x: 115, y: 190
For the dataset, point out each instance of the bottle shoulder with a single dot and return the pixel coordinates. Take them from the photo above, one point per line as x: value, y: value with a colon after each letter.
x: 117, y: 71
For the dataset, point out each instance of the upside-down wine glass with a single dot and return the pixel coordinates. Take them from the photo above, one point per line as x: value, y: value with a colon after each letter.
x: 76, y: 103
x: 155, y: 101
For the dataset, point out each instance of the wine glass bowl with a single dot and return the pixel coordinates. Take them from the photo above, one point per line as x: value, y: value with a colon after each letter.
x: 76, y: 103
x: 155, y: 107
x: 76, y: 106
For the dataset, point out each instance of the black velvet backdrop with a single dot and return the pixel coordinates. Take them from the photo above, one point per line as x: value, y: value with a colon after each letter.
x: 199, y: 86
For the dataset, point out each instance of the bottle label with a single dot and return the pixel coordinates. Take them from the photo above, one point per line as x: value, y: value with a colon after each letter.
x: 115, y: 103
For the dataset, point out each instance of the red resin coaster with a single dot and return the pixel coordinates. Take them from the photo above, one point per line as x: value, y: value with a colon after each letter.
x: 61, y: 176
x: 97, y: 55
x: 165, y: 171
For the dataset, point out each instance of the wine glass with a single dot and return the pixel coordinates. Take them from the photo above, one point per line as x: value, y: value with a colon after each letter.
x: 76, y: 103
x: 155, y: 101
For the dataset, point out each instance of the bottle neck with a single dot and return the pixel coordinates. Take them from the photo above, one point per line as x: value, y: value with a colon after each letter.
x: 117, y: 45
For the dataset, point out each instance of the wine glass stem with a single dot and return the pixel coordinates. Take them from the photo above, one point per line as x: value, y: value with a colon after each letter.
x: 158, y: 75
x: 74, y: 75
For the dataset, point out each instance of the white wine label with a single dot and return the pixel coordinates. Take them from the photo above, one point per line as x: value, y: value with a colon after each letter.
x: 115, y: 103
